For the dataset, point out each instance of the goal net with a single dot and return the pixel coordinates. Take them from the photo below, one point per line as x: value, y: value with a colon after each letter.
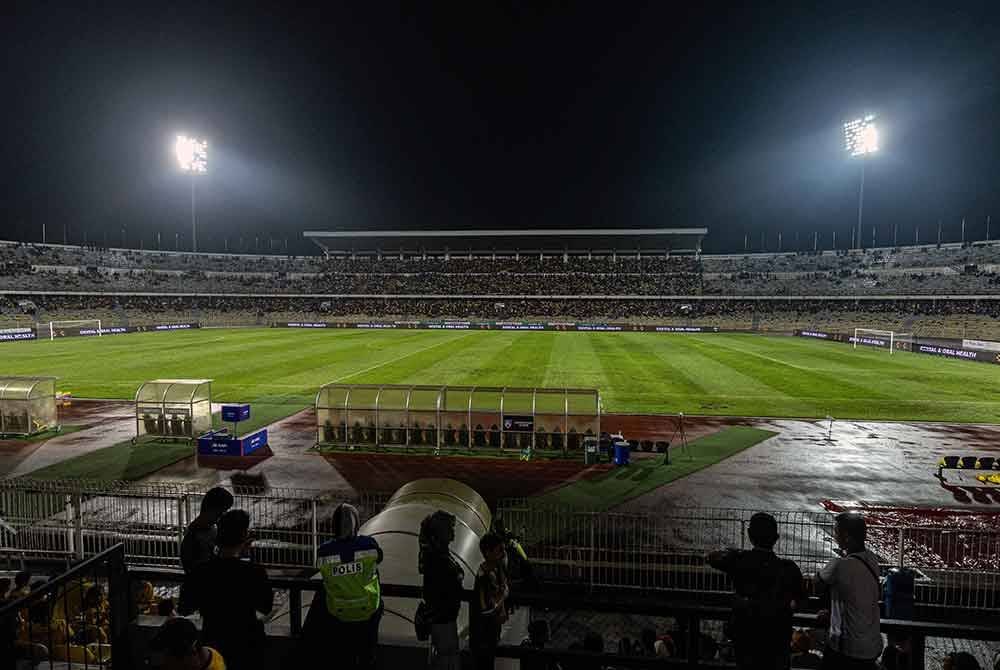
x: 883, y: 339
x: 74, y: 328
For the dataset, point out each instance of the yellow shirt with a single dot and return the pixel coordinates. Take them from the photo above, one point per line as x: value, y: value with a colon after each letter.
x: 215, y: 661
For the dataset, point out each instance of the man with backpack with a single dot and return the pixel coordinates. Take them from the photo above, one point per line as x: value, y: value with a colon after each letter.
x: 767, y: 589
x: 852, y: 581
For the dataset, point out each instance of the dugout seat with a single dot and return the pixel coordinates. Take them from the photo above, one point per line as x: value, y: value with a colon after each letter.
x: 986, y: 463
x: 479, y: 436
x: 557, y: 438
x: 969, y: 462
x: 541, y: 438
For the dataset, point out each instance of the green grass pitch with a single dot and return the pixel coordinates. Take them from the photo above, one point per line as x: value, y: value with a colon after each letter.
x: 728, y: 374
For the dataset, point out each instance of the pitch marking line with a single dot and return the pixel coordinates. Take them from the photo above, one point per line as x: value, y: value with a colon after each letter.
x: 398, y: 358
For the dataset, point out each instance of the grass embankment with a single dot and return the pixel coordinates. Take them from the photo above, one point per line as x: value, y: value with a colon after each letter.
x: 643, y: 475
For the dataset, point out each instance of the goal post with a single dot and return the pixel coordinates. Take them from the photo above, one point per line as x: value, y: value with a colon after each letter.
x: 890, y: 336
x: 56, y: 326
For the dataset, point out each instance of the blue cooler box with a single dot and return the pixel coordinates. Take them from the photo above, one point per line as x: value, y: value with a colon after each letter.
x: 622, y: 452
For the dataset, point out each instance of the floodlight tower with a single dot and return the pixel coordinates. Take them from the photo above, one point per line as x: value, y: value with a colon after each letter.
x: 192, y: 155
x: 861, y: 141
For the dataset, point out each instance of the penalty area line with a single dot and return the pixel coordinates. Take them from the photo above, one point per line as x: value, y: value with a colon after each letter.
x: 397, y: 359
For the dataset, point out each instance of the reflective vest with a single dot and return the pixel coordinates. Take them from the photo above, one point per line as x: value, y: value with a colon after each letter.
x: 350, y: 578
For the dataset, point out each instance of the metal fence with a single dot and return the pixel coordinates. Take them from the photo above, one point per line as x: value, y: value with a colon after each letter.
x: 662, y: 552
x: 665, y: 551
x: 76, y: 519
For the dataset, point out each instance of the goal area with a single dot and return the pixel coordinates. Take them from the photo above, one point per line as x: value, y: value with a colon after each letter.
x: 60, y: 328
x: 880, y: 338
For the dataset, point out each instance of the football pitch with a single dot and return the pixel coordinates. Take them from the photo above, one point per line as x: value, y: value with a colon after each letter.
x: 724, y: 374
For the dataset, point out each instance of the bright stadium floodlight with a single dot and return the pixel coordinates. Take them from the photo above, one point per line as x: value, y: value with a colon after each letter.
x: 861, y: 136
x: 192, y: 156
x: 861, y: 141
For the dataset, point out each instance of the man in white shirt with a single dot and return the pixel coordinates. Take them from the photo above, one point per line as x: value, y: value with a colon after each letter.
x: 854, y: 640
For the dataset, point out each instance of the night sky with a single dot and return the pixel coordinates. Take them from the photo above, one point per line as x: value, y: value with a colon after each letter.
x: 372, y: 115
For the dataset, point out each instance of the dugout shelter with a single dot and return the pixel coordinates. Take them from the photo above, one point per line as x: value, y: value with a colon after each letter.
x: 173, y: 408
x: 27, y: 405
x: 456, y: 417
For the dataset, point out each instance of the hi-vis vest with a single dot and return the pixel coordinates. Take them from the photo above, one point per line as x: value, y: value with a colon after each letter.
x: 350, y: 578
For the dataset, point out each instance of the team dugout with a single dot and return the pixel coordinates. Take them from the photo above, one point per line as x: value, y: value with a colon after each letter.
x: 173, y: 408
x: 456, y: 417
x: 27, y: 405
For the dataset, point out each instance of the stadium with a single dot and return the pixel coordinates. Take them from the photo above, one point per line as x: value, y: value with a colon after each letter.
x: 479, y: 336
x: 805, y: 383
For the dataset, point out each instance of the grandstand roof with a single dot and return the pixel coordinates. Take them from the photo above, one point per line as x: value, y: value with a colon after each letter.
x: 683, y: 240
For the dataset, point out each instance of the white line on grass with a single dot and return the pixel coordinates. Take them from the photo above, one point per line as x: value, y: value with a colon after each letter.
x: 398, y: 358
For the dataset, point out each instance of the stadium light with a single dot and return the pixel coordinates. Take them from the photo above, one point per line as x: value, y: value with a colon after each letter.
x: 192, y: 156
x: 861, y: 141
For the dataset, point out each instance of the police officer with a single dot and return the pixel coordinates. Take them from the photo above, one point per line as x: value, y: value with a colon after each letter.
x: 345, y: 615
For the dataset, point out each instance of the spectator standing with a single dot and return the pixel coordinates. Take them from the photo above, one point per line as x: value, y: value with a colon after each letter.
x: 852, y: 580
x: 767, y: 589
x: 22, y: 585
x: 489, y: 607
x: 229, y: 591
x: 443, y: 579
x: 199, y: 543
x: 176, y: 647
x: 344, y: 617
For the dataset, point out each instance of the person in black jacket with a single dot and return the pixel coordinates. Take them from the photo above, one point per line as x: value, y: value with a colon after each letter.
x: 767, y: 590
x: 443, y: 579
x: 229, y: 592
x: 199, y: 543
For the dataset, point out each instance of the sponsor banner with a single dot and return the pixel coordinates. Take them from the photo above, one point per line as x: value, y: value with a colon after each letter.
x: 986, y: 345
x: 870, y: 341
x: 221, y: 443
x: 957, y: 352
x: 76, y: 331
x: 519, y: 423
x: 817, y: 334
x: 504, y: 325
x: 916, y: 347
x: 14, y: 334
x: 235, y: 413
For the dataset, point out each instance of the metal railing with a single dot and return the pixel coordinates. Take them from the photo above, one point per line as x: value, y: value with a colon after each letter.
x: 79, y: 617
x: 71, y: 520
x: 955, y: 567
x: 688, y: 617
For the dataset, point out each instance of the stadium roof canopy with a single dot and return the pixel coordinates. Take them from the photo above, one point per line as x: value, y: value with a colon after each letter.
x: 547, y: 240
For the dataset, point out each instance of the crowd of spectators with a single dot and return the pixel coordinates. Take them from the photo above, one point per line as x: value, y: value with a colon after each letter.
x: 945, y: 271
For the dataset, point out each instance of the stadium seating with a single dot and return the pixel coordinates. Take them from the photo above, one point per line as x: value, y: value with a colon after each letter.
x: 706, y: 291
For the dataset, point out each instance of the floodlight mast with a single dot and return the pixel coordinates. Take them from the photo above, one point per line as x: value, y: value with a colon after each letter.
x: 861, y: 141
x: 192, y: 155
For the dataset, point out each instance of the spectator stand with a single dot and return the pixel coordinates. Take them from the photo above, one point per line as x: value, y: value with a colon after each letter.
x: 27, y: 406
x: 173, y: 409
x: 552, y: 421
